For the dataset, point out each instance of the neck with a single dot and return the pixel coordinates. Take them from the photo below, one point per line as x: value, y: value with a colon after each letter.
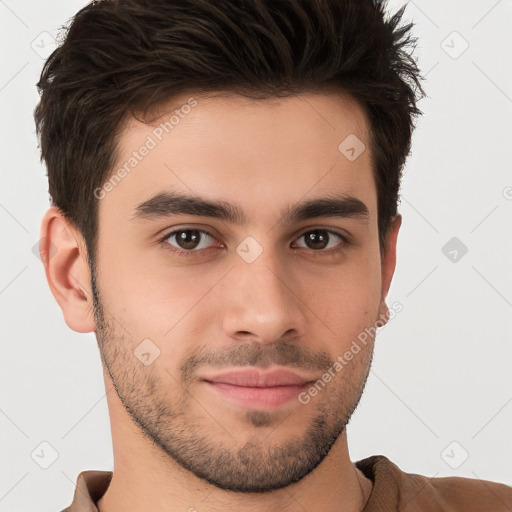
x: 146, y: 478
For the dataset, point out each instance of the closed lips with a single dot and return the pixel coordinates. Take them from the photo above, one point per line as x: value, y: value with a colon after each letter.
x: 258, y: 379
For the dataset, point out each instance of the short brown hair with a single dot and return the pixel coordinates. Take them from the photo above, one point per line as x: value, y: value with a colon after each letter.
x: 120, y: 57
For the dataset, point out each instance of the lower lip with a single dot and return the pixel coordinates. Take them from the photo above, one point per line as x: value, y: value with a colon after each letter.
x: 258, y: 398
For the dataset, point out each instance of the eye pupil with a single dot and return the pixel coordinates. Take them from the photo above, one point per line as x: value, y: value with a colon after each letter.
x: 188, y: 239
x: 317, y: 239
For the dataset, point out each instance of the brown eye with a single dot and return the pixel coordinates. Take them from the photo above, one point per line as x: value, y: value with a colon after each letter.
x: 189, y: 239
x: 320, y: 239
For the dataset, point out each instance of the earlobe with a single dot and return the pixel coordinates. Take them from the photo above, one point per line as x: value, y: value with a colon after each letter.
x: 64, y: 257
x: 388, y: 264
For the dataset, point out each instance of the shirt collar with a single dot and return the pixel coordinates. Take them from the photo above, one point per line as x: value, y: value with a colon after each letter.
x: 90, y: 487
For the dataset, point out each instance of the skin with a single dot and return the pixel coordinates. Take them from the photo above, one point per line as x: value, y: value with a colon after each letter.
x: 177, y: 443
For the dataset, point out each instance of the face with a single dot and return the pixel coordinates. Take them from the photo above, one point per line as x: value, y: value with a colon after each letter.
x: 237, y: 262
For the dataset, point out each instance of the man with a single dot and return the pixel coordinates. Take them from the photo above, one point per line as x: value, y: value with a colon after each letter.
x: 224, y: 180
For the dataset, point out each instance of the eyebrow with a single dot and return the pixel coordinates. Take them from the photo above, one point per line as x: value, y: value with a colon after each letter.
x: 166, y: 204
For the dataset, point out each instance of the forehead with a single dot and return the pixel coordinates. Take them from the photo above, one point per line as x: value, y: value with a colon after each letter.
x: 259, y: 154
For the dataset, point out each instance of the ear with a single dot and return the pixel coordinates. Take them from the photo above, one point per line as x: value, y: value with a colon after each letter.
x: 388, y: 263
x: 64, y: 256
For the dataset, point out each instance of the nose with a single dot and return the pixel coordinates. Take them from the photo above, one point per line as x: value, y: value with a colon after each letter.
x: 262, y: 302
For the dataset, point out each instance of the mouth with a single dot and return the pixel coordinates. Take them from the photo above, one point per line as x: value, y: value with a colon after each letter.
x: 254, y: 389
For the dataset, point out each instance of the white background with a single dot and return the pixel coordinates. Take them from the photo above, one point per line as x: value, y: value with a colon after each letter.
x: 441, y: 371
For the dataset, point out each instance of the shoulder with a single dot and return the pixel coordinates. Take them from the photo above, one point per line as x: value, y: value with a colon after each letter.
x: 473, y: 492
x: 395, y: 488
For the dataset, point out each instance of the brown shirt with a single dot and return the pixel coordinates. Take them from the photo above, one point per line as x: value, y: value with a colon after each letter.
x: 393, y: 490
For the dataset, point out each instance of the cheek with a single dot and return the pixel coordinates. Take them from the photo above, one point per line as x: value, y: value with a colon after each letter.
x: 345, y: 298
x: 163, y: 303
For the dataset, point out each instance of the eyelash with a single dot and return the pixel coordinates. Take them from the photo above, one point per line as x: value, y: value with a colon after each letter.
x: 197, y: 252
